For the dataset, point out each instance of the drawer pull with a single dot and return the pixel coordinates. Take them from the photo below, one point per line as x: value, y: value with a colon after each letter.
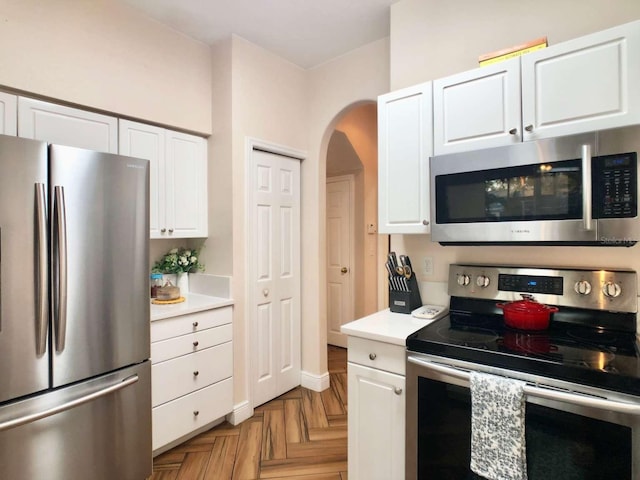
x: 195, y: 344
x: 372, y: 356
x: 196, y: 413
x: 195, y: 324
x: 196, y: 373
x: 397, y: 391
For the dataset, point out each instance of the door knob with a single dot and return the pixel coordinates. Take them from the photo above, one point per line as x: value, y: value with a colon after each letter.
x: 344, y: 270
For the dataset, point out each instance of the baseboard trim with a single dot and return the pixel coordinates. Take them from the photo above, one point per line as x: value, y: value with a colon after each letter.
x: 317, y: 383
x: 241, y: 412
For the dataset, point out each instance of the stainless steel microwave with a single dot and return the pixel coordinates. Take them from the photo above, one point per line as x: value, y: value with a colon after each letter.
x: 574, y: 190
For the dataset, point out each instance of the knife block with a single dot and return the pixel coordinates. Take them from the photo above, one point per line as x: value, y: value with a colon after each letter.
x: 405, y: 302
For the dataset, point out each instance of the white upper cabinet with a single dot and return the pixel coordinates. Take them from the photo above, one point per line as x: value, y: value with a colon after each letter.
x: 590, y: 83
x: 67, y: 126
x: 8, y: 114
x: 478, y: 108
x: 178, y: 178
x: 405, y: 143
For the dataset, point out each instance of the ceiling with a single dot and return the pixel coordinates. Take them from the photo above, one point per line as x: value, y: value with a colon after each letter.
x: 305, y: 32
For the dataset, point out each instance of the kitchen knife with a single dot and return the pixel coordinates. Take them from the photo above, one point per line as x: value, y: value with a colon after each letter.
x: 393, y: 260
x: 392, y: 276
x: 404, y: 261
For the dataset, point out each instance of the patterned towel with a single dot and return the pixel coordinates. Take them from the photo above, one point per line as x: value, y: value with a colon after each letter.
x: 497, y: 427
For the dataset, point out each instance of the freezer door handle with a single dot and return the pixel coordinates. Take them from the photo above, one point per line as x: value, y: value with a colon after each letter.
x: 41, y: 272
x: 60, y: 239
x: 16, y: 422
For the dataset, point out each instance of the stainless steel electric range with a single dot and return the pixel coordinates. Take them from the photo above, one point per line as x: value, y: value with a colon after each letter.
x: 582, y: 373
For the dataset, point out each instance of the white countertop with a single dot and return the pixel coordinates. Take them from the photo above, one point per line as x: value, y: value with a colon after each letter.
x: 193, y: 303
x: 385, y: 326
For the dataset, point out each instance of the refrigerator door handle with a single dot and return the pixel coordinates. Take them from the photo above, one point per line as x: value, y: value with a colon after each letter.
x: 41, y: 272
x: 16, y: 422
x: 60, y: 320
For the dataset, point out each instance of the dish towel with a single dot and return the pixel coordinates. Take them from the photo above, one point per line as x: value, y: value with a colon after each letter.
x: 498, y: 450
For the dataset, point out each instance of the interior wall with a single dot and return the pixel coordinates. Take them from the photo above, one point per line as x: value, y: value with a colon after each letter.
x: 431, y: 39
x: 107, y: 56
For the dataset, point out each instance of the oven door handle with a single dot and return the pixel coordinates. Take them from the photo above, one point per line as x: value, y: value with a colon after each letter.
x: 583, y: 400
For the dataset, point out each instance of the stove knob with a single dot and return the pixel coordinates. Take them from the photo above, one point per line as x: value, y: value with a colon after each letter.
x: 482, y: 281
x: 611, y: 290
x: 463, y: 280
x: 582, y: 287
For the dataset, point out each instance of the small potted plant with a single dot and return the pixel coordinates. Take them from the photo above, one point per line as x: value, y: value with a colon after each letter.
x: 180, y: 262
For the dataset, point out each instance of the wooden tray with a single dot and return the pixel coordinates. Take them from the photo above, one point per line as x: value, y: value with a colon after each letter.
x: 167, y: 302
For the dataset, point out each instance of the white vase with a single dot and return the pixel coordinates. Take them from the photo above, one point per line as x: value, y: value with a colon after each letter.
x: 183, y: 283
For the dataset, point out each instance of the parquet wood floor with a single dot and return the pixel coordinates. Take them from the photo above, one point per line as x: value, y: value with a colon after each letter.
x: 301, y: 435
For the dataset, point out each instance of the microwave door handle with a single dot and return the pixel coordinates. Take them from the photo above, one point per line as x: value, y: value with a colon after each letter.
x: 531, y: 390
x: 586, y: 188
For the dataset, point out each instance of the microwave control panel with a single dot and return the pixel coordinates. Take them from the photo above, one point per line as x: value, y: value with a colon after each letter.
x: 615, y: 186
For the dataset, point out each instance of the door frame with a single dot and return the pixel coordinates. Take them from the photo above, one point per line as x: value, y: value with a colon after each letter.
x: 352, y: 243
x: 252, y: 144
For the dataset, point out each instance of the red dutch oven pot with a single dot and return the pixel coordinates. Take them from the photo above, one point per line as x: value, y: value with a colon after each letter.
x: 527, y: 314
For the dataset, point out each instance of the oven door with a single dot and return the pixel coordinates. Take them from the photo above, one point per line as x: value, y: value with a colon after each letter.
x: 572, y: 431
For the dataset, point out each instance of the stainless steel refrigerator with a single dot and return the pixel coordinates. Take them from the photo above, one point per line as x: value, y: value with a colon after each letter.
x: 75, y: 376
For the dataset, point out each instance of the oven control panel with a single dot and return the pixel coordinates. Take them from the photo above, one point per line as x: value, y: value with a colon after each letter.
x: 611, y: 290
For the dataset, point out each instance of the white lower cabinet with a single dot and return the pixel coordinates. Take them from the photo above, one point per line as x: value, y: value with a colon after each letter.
x: 376, y: 410
x: 191, y: 373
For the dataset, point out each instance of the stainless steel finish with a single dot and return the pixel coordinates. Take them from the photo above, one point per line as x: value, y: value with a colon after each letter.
x: 596, y: 299
x: 42, y: 290
x: 513, y: 131
x: 105, y: 438
x: 587, y: 214
x: 372, y: 356
x: 397, y: 390
x: 16, y: 422
x: 24, y: 371
x: 60, y: 278
x: 344, y: 270
x: 107, y: 220
x: 539, y: 391
x: 609, y: 231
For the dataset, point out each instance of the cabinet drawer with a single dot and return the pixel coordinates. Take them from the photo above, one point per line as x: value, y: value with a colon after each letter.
x: 194, y: 322
x: 182, y: 375
x: 186, y: 414
x: 193, y: 342
x: 384, y: 356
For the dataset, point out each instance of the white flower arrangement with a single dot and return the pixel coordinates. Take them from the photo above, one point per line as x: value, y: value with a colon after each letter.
x: 178, y: 260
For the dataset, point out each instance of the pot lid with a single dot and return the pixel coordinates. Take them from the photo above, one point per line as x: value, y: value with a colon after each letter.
x: 527, y: 304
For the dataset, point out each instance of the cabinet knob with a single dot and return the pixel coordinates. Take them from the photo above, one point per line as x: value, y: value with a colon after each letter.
x: 196, y: 343
x: 344, y: 270
x: 425, y: 222
x: 513, y: 131
x: 397, y: 391
x: 196, y: 413
x: 196, y: 373
x: 195, y: 324
x: 265, y: 292
x: 529, y: 128
x: 171, y: 230
x: 372, y: 356
x: 163, y: 230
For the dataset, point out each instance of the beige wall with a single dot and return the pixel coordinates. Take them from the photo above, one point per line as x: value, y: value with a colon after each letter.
x: 431, y: 39
x: 107, y: 56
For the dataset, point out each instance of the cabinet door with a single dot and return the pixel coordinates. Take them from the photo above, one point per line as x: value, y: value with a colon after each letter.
x: 148, y: 142
x: 586, y: 84
x: 376, y: 424
x: 8, y: 114
x: 478, y: 108
x: 67, y: 126
x: 186, y: 185
x: 405, y: 138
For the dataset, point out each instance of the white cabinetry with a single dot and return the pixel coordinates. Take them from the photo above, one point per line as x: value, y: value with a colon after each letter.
x: 192, y: 367
x: 178, y: 183
x: 376, y: 420
x: 67, y: 126
x: 8, y: 114
x: 585, y: 84
x: 405, y: 133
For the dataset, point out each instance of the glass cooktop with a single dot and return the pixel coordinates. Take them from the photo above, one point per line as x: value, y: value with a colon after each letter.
x: 586, y: 355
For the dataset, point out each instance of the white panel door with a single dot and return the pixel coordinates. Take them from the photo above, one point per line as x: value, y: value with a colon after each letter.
x: 376, y: 423
x: 340, y: 258
x: 478, y: 108
x: 148, y: 142
x: 274, y: 266
x: 67, y: 126
x: 186, y: 185
x: 405, y: 143
x: 8, y: 114
x: 586, y: 84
